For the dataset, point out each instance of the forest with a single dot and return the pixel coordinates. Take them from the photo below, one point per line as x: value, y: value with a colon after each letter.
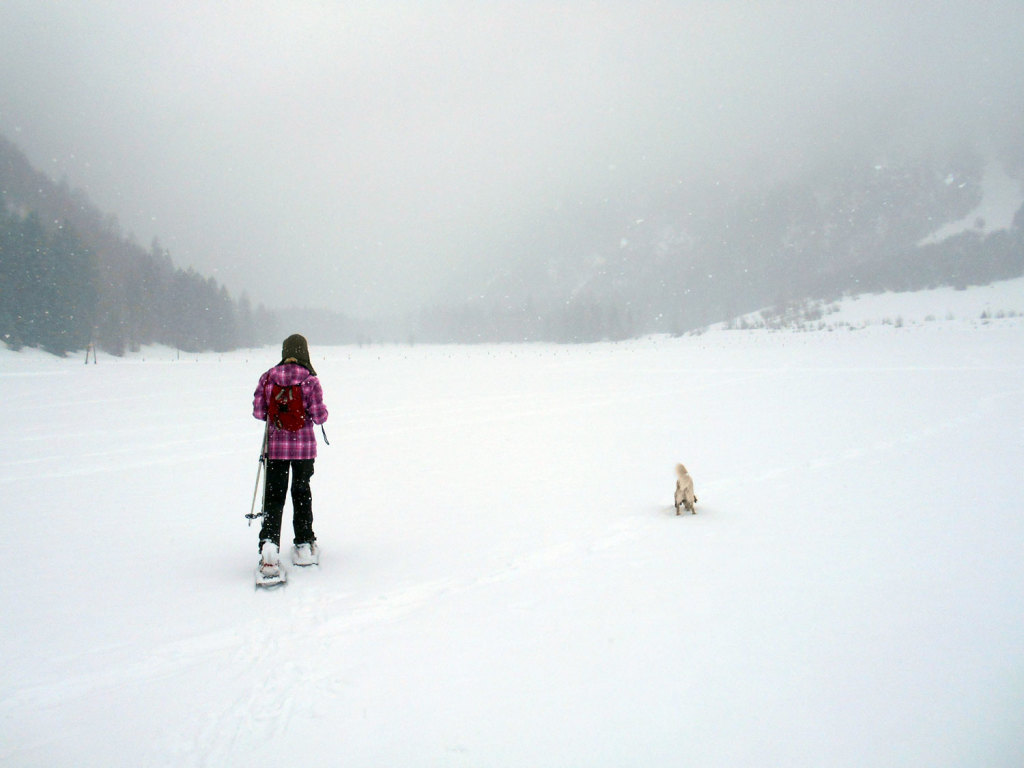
x: 69, y: 278
x: 670, y: 261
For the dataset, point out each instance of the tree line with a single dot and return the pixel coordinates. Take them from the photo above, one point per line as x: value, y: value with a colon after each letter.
x: 59, y: 294
x: 70, y: 279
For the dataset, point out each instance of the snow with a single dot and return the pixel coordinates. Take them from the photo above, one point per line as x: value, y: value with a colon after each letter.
x: 504, y: 581
x: 978, y: 305
x: 1002, y: 197
x: 981, y: 305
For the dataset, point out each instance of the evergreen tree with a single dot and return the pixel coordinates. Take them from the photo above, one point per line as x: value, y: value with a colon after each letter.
x: 72, y: 291
x: 65, y: 285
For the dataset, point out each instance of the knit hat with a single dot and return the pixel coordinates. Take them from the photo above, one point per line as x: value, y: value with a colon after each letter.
x: 296, y: 350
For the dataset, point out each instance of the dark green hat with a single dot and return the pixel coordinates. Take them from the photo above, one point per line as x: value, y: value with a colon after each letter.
x: 296, y: 350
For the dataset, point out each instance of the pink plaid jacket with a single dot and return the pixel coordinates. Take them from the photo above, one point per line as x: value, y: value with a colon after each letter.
x: 282, y: 444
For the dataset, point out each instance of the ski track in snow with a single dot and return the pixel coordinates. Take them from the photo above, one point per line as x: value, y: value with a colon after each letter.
x: 278, y: 687
x: 282, y: 687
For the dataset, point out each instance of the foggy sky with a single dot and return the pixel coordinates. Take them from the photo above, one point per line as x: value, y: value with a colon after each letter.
x: 363, y: 156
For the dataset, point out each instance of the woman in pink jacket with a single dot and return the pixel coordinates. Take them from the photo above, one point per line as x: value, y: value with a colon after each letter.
x: 290, y: 445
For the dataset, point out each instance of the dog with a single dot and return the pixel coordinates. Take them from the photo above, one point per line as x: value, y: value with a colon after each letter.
x: 684, y: 491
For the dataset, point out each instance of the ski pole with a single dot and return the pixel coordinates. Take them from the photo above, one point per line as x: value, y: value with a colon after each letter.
x: 252, y: 511
x: 259, y: 473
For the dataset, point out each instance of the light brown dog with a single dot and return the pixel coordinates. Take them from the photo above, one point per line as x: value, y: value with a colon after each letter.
x: 684, y: 491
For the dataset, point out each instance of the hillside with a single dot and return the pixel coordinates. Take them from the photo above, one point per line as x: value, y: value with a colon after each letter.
x: 687, y: 255
x: 69, y: 278
x: 669, y: 258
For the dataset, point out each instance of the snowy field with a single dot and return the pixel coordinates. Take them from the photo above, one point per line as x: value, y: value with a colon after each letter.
x: 504, y: 581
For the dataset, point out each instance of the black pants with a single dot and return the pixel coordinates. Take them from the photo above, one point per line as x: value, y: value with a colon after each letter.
x: 302, y: 500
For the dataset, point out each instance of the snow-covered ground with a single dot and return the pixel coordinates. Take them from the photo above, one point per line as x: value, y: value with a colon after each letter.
x: 504, y: 581
x: 978, y: 306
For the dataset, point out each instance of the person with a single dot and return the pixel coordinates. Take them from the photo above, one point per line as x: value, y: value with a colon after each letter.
x: 289, y: 450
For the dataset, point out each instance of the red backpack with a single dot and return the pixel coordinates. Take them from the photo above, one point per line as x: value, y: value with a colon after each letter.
x: 285, y: 409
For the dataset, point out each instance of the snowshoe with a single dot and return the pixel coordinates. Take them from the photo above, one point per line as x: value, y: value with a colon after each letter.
x: 269, y: 572
x: 306, y: 554
x: 267, y: 580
